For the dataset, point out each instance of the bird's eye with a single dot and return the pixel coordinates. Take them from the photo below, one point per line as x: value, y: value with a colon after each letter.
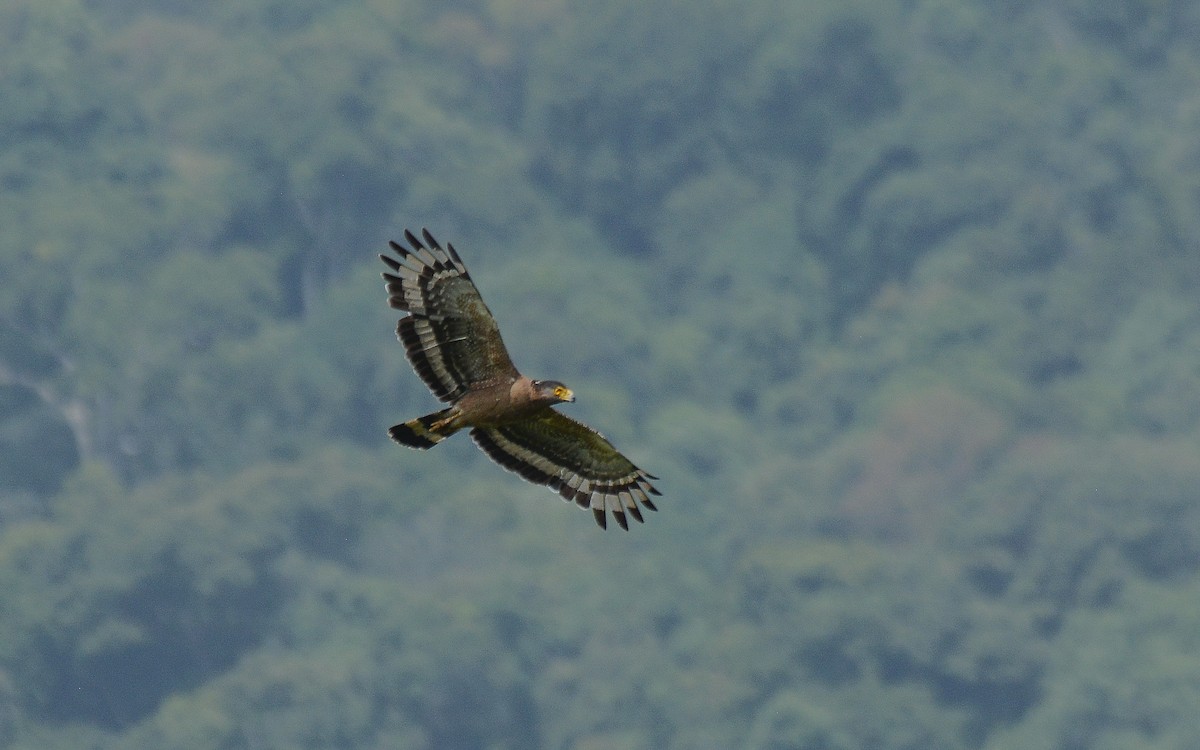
x: 560, y: 391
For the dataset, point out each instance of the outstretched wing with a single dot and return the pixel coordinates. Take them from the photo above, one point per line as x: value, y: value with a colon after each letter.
x: 450, y: 336
x: 573, y: 459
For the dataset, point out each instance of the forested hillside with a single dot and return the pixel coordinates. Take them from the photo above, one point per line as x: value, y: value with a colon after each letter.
x: 899, y: 299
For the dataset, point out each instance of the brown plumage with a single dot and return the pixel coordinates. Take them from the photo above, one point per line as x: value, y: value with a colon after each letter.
x: 454, y: 345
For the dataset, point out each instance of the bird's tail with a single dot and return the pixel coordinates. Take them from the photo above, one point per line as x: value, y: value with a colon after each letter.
x: 421, y: 433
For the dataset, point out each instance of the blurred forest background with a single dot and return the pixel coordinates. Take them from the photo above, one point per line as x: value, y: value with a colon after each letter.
x: 899, y: 298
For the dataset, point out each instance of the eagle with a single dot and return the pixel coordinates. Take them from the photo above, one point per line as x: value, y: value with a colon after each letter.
x: 454, y: 345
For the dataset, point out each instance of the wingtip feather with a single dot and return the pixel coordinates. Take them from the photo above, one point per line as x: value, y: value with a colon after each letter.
x: 412, y: 240
x: 621, y: 520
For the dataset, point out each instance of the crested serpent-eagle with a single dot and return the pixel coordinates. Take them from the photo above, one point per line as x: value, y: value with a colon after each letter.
x: 454, y: 344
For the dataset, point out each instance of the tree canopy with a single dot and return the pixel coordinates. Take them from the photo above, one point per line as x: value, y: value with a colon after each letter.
x: 898, y: 298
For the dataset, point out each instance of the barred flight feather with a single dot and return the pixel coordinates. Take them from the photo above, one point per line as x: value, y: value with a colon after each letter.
x: 619, y: 495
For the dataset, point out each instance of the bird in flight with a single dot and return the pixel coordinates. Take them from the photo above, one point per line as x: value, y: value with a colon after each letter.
x: 454, y: 344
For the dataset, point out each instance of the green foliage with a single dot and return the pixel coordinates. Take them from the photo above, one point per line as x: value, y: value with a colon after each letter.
x: 36, y: 447
x: 898, y: 299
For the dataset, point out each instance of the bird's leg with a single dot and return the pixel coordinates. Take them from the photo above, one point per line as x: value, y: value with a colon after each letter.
x: 448, y: 421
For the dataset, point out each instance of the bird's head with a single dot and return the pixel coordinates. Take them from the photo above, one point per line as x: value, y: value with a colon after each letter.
x: 552, y: 391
